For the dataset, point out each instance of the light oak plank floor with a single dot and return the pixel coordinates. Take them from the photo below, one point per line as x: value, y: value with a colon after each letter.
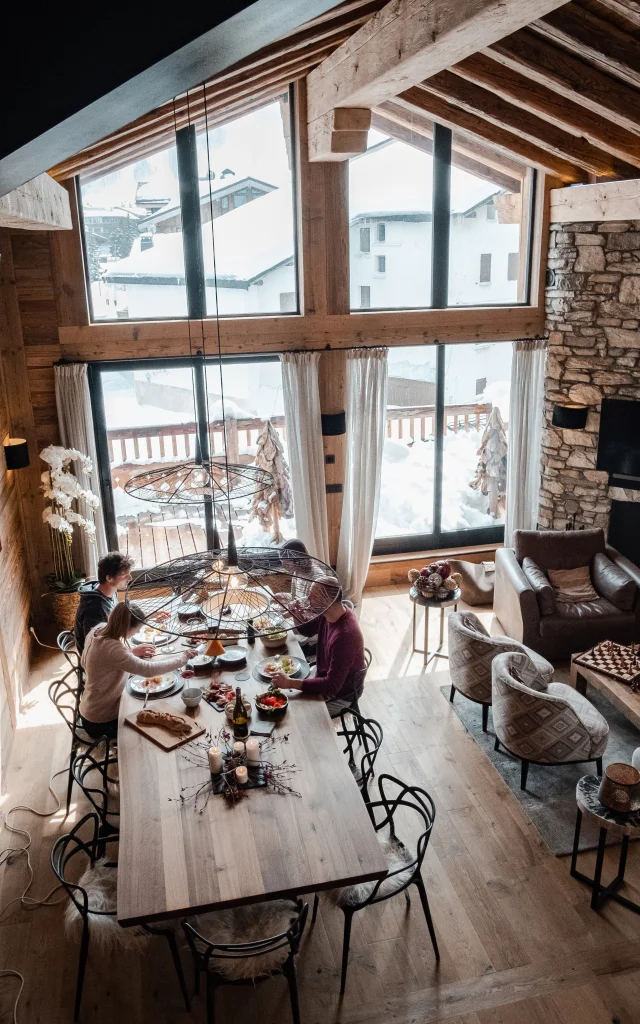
x: 519, y: 942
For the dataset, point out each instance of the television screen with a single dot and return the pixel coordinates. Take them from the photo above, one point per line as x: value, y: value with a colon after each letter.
x: 619, y: 440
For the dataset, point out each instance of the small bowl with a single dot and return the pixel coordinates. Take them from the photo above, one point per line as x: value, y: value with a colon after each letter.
x: 274, y: 644
x: 200, y: 663
x: 229, y: 708
x: 264, y: 709
x: 191, y: 696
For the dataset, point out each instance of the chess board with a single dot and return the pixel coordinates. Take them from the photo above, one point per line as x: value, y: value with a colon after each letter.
x: 614, y: 660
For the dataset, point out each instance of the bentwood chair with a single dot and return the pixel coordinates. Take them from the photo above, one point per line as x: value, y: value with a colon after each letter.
x: 404, y: 862
x: 226, y: 959
x: 92, y: 901
x: 365, y: 733
x: 93, y: 771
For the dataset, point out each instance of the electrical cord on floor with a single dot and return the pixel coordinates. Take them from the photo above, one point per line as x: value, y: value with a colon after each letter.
x: 10, y: 855
x: 49, y: 647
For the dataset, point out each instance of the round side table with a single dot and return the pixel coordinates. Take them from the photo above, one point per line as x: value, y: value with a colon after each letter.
x: 624, y: 826
x: 419, y: 600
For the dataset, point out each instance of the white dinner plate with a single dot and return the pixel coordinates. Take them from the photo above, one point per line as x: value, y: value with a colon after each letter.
x: 138, y: 684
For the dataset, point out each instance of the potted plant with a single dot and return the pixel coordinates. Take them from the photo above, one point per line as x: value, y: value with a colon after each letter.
x: 62, y: 491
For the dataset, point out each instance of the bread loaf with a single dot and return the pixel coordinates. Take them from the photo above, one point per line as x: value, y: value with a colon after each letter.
x: 172, y: 723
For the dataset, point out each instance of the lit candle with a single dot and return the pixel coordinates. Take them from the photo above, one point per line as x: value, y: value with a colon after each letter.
x: 215, y: 760
x: 238, y: 748
x: 242, y: 775
x: 253, y: 751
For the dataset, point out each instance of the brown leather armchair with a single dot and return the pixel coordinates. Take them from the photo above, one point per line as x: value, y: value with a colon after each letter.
x: 565, y: 628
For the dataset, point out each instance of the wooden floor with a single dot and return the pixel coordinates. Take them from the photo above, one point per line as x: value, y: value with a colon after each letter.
x: 518, y: 940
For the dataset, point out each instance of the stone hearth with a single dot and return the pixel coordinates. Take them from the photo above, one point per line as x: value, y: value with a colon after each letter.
x: 593, y: 315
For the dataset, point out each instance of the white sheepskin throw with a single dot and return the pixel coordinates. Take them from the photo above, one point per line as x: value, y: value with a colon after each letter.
x: 101, y: 883
x: 396, y: 855
x: 248, y: 924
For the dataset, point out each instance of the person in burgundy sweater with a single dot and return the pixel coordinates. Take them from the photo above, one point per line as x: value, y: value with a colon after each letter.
x: 340, y: 654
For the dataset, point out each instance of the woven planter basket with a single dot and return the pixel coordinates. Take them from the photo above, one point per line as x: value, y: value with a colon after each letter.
x: 64, y: 608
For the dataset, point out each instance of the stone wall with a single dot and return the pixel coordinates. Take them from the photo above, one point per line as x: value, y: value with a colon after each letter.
x: 593, y: 315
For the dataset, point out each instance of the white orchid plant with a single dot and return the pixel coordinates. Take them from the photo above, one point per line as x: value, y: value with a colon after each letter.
x: 62, y: 490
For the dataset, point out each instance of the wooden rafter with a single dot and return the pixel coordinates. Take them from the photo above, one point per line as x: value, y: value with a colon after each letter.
x: 553, y: 107
x: 543, y: 62
x: 39, y: 205
x: 514, y: 118
x: 629, y: 10
x: 461, y: 120
x: 584, y: 33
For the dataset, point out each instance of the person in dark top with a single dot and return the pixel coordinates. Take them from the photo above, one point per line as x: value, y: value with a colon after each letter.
x: 340, y: 654
x: 97, y: 600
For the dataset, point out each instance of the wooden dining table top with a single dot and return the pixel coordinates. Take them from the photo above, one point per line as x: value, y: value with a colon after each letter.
x: 174, y: 861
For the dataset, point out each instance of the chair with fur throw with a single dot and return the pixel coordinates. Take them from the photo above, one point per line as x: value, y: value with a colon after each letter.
x: 92, y: 900
x: 237, y: 951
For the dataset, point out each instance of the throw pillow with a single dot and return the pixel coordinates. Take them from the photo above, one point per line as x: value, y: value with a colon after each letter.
x: 572, y: 585
x: 540, y: 584
x: 613, y: 583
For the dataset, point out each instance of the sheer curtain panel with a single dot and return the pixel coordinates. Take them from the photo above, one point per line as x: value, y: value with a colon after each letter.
x: 367, y: 376
x: 525, y: 437
x: 306, y: 453
x: 75, y: 420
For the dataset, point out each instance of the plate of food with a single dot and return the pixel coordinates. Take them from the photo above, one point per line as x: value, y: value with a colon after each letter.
x: 269, y: 667
x: 233, y: 657
x: 150, y: 635
x: 156, y: 685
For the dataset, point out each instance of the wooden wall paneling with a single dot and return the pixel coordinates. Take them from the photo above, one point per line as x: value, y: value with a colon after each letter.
x: 67, y: 265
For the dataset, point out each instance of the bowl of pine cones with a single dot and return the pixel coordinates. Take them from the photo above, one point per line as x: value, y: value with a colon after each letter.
x: 435, y: 580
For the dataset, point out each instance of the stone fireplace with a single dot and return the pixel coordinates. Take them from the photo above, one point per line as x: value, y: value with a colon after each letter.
x: 593, y: 315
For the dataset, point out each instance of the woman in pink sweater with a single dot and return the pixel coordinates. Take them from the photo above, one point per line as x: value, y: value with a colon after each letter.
x: 108, y: 661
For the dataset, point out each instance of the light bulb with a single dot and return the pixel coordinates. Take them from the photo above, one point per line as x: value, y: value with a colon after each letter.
x: 199, y: 477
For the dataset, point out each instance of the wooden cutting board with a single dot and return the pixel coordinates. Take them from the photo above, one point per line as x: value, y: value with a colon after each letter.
x: 162, y: 737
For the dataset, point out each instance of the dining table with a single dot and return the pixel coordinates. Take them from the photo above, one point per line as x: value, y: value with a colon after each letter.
x: 176, y: 859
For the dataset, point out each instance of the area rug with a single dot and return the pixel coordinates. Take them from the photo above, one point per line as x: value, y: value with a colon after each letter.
x: 550, y: 797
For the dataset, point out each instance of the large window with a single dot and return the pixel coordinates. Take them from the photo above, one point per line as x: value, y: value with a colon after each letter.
x: 135, y: 245
x: 444, y: 463
x: 146, y: 417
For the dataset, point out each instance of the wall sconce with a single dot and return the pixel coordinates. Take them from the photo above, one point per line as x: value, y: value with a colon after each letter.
x: 16, y: 453
x: 569, y: 417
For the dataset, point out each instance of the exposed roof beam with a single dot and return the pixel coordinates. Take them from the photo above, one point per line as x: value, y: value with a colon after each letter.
x: 612, y: 200
x: 40, y: 205
x: 554, y: 108
x: 587, y: 35
x: 461, y: 120
x: 526, y: 125
x: 406, y: 42
x: 558, y: 69
x: 629, y: 9
x: 411, y: 137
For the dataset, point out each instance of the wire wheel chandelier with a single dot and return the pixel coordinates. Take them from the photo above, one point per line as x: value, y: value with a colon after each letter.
x: 222, y: 593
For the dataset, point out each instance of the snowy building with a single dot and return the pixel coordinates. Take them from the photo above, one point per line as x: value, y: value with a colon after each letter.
x: 215, y: 199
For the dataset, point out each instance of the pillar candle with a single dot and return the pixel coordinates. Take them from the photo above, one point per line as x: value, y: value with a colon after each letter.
x: 253, y: 751
x: 242, y: 775
x: 238, y: 748
x: 215, y: 760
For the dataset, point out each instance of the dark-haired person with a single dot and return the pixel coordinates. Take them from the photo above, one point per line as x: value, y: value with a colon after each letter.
x: 107, y: 660
x: 340, y: 654
x: 97, y: 600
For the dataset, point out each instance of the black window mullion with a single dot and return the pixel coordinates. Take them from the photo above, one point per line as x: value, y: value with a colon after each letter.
x: 440, y: 227
x: 102, y: 448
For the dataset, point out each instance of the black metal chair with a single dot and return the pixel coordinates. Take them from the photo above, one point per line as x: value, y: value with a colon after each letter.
x: 398, y: 879
x: 367, y: 734
x: 65, y: 851
x: 91, y: 770
x: 206, y: 952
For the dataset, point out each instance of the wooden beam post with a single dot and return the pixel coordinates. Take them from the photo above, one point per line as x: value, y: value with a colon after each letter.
x: 67, y: 265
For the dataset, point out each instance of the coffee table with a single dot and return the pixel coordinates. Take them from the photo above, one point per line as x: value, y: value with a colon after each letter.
x: 431, y: 602
x: 620, y: 694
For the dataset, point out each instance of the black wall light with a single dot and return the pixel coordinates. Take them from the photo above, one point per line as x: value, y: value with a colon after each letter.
x: 569, y: 417
x: 16, y: 453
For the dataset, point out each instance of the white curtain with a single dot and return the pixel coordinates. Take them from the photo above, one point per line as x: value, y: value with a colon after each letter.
x: 306, y: 453
x: 525, y: 437
x: 75, y: 420
x: 367, y: 377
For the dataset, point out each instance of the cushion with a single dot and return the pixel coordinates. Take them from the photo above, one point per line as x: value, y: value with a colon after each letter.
x: 247, y: 924
x: 397, y: 857
x: 572, y: 584
x: 613, y: 583
x: 540, y: 584
x: 558, y: 549
x: 588, y: 622
x: 595, y: 724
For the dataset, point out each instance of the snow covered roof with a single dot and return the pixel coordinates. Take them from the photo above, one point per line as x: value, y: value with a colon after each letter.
x: 250, y: 240
x: 231, y: 184
x: 89, y: 212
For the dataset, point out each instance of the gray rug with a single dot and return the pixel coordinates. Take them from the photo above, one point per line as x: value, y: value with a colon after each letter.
x: 550, y: 797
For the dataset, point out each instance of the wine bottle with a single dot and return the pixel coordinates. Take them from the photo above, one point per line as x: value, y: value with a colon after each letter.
x: 251, y: 633
x: 240, y: 721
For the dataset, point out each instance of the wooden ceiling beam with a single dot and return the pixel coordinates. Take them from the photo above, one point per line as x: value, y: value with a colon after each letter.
x: 627, y: 9
x: 524, y: 124
x: 587, y: 35
x: 461, y: 120
x: 551, y: 66
x: 553, y: 107
x: 38, y: 205
x: 408, y: 135
x: 404, y: 43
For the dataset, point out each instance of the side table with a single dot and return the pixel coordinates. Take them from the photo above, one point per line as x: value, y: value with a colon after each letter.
x: 420, y: 600
x: 626, y: 826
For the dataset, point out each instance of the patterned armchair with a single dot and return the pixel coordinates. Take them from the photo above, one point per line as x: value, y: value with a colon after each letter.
x: 542, y: 722
x: 471, y: 652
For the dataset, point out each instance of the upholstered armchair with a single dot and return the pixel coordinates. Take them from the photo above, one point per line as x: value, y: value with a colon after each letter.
x: 471, y: 652
x: 530, y: 611
x: 542, y: 722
